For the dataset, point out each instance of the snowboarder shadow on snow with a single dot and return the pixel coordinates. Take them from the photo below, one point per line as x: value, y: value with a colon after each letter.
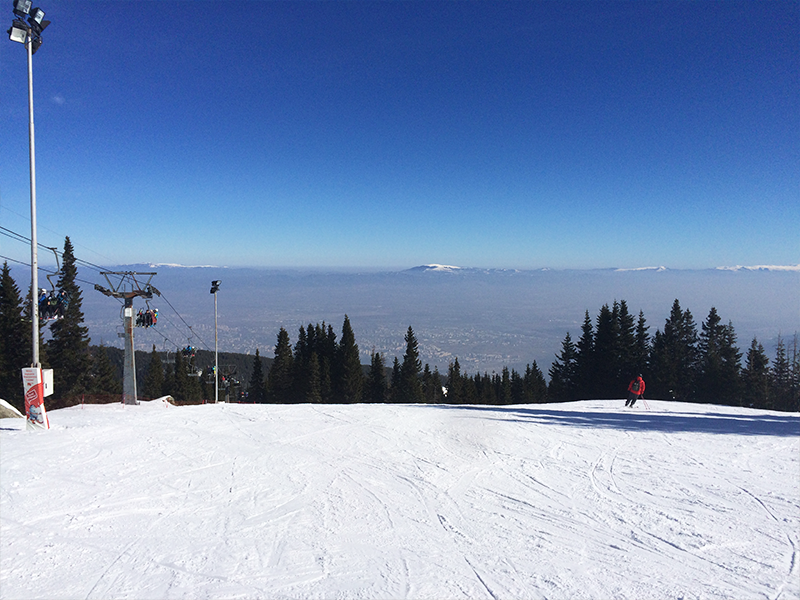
x: 712, y: 422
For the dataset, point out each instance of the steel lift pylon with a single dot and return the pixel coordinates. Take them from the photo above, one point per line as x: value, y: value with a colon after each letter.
x: 128, y: 288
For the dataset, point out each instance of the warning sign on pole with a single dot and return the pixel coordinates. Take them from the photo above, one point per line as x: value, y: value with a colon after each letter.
x: 34, y: 398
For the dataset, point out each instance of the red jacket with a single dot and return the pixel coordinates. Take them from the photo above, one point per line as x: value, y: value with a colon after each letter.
x: 641, y: 386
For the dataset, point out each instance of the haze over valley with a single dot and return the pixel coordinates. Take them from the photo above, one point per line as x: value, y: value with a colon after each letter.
x: 488, y: 318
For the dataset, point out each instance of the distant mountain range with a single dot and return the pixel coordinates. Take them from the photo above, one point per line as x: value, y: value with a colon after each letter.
x: 434, y: 268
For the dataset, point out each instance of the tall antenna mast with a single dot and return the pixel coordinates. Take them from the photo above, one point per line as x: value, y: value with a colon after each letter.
x: 128, y: 288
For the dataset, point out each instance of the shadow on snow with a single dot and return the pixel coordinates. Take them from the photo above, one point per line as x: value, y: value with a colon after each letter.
x: 757, y: 424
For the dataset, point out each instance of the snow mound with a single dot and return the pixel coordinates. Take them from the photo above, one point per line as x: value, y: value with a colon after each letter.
x: 7, y: 411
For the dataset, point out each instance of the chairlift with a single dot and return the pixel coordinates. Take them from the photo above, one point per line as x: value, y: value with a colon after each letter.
x: 147, y: 318
x: 189, y: 350
x: 53, y: 304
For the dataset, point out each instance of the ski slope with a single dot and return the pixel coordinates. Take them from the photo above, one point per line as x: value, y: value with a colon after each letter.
x: 577, y: 500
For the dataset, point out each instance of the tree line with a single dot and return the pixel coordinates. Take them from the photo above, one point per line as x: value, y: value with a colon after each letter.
x: 679, y: 362
x: 320, y: 370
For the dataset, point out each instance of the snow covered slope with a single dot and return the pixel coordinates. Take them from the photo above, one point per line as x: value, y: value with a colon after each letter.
x: 579, y: 500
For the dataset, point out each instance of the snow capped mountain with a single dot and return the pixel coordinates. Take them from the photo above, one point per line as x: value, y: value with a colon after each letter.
x: 434, y: 268
x: 653, y: 269
x: 762, y: 268
x: 179, y: 266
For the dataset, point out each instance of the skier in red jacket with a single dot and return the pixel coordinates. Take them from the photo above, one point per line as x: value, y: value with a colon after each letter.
x: 635, y: 390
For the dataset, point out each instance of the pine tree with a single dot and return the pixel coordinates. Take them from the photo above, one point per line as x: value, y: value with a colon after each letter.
x: 535, y: 385
x: 154, y: 380
x: 68, y: 349
x: 627, y: 353
x: 585, y: 370
x: 517, y: 388
x: 410, y: 391
x: 455, y: 384
x: 104, y: 377
x: 350, y: 383
x: 484, y: 390
x: 731, y: 387
x: 674, y: 357
x: 279, y: 378
x: 180, y: 379
x: 795, y: 377
x: 394, y: 387
x: 169, y: 377
x: 781, y: 379
x: 257, y: 389
x: 376, y: 391
x: 606, y: 341
x: 431, y: 386
x: 756, y: 377
x: 504, y: 389
x: 437, y: 393
x: 642, y: 347
x: 325, y: 346
x: 300, y: 366
x: 313, y: 393
x: 15, y: 341
x: 193, y: 390
x: 720, y: 362
x: 563, y: 379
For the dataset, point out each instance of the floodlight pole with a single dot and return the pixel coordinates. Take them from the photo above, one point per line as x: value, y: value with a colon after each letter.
x: 34, y: 253
x: 214, y: 290
x: 216, y: 354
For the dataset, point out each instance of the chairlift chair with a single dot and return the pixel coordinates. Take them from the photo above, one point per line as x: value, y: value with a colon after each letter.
x: 52, y: 304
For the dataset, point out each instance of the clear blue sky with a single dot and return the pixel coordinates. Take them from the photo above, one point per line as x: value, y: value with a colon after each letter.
x: 510, y: 134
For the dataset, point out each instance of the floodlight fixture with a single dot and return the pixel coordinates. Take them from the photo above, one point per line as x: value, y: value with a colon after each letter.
x: 22, y: 7
x: 35, y: 43
x: 37, y: 21
x: 18, y: 31
x: 36, y: 14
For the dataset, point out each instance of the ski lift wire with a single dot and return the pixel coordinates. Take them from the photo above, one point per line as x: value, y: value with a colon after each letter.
x: 19, y: 237
x: 27, y: 218
x: 184, y: 321
x: 44, y: 270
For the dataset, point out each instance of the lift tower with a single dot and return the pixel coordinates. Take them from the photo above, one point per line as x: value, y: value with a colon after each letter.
x: 128, y: 288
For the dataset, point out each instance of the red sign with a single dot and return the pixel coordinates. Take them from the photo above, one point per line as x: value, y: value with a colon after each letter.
x: 34, y: 398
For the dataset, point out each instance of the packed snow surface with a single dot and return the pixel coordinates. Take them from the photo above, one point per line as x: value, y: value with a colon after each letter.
x: 577, y: 500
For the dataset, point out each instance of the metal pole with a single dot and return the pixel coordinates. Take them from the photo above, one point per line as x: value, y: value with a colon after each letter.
x: 129, y: 395
x: 34, y: 249
x: 216, y: 354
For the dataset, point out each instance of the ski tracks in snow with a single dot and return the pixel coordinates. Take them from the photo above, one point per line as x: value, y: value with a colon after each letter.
x: 365, y: 501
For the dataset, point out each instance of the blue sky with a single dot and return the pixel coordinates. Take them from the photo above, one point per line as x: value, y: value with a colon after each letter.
x: 391, y: 134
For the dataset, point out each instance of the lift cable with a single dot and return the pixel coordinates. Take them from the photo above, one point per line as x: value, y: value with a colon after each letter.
x: 19, y: 237
x: 42, y: 269
x: 184, y: 322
